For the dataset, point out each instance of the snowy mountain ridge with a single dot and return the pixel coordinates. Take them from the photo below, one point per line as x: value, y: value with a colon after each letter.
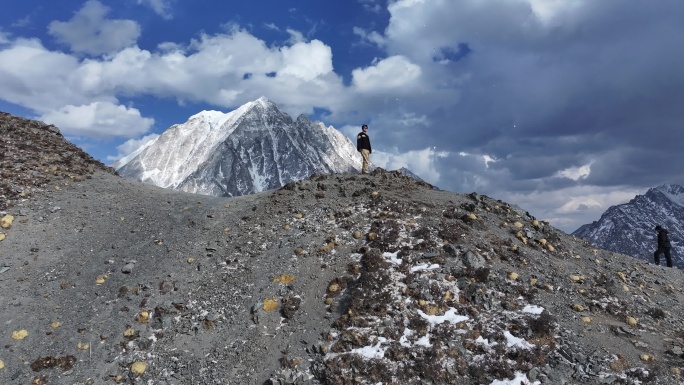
x: 253, y: 148
x: 629, y: 228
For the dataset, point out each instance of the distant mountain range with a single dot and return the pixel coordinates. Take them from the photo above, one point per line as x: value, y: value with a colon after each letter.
x: 254, y: 148
x: 629, y: 228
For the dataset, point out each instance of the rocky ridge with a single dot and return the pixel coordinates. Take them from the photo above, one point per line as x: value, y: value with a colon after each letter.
x: 34, y: 154
x: 336, y: 279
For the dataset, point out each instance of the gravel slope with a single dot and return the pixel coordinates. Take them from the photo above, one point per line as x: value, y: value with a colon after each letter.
x: 338, y: 279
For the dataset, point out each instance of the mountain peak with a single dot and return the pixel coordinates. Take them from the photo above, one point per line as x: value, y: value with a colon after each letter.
x: 254, y: 148
x: 628, y: 228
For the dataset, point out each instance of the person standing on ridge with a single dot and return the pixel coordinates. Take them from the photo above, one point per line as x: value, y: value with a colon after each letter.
x: 364, y: 147
x: 663, y: 246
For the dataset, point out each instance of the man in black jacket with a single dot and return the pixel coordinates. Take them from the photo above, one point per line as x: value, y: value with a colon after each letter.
x: 364, y: 147
x: 663, y: 246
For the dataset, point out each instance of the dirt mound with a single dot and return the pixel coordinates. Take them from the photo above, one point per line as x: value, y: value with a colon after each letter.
x: 35, y: 155
x: 337, y: 279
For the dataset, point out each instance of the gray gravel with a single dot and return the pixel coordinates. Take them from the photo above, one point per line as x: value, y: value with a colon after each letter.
x: 338, y: 279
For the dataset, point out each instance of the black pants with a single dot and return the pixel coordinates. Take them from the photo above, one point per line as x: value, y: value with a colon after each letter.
x: 668, y: 257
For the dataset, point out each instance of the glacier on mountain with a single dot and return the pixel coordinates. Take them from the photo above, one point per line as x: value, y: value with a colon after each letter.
x: 253, y: 148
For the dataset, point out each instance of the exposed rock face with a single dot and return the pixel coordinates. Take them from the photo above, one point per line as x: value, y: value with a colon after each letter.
x: 254, y: 148
x: 334, y: 279
x: 629, y: 228
x: 34, y: 155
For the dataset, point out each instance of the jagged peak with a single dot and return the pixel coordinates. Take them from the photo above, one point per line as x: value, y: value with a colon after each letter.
x: 670, y: 189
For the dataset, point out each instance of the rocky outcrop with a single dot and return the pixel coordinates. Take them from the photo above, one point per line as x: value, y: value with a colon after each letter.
x: 34, y: 155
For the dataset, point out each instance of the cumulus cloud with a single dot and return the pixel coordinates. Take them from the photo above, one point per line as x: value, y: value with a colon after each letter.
x: 132, y: 147
x: 89, y: 31
x: 103, y: 118
x: 420, y: 162
x: 396, y: 73
x: 160, y: 7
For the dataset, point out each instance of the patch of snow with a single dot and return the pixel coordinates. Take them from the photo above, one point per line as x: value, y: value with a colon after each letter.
x: 424, y: 266
x: 533, y: 309
x: 512, y: 340
x: 373, y: 351
x: 450, y: 316
x: 520, y: 379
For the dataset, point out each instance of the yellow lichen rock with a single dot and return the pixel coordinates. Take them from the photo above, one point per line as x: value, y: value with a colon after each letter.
x: 512, y: 276
x: 139, y: 367
x: 576, y: 278
x: 299, y: 216
x: 101, y: 279
x: 533, y: 281
x: 333, y: 288
x: 375, y: 193
x: 542, y: 242
x: 646, y: 357
x: 586, y: 320
x: 448, y: 296
x: 520, y: 236
x: 81, y: 346
x: 472, y: 216
x: 329, y: 301
x: 625, y: 287
x: 550, y: 247
x: 631, y: 321
x: 130, y: 332
x: 143, y: 316
x: 372, y: 236
x: 431, y: 310
x: 622, y: 276
x: 270, y: 304
x: 284, y: 279
x: 55, y: 324
x: 19, y: 334
x: 6, y: 221
x: 286, y: 227
x: 357, y: 234
x: 578, y: 307
x: 518, y: 225
x: 2, y: 364
x: 191, y: 260
x: 421, y: 302
x: 2, y: 236
x: 535, y: 223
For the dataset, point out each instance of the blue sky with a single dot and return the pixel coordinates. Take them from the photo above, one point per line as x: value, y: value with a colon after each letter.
x: 564, y: 107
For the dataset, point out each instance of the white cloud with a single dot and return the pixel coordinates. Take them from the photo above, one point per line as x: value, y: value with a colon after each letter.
x: 306, y: 61
x: 420, y: 162
x: 4, y: 38
x: 373, y: 37
x: 394, y: 73
x: 103, y: 118
x: 128, y: 147
x: 575, y: 173
x: 160, y: 7
x: 90, y: 32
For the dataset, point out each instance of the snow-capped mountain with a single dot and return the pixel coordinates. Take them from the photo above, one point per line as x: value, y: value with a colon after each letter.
x: 629, y: 228
x: 254, y: 148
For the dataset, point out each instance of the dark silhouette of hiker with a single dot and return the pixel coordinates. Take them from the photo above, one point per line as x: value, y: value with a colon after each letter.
x: 663, y: 246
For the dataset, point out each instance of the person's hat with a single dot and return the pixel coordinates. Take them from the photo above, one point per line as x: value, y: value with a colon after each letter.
x: 658, y: 228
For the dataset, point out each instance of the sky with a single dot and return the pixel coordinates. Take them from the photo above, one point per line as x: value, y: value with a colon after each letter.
x: 563, y: 107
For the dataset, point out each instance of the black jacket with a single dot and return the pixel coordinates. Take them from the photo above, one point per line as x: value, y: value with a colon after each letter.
x: 363, y: 142
x: 663, y: 240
